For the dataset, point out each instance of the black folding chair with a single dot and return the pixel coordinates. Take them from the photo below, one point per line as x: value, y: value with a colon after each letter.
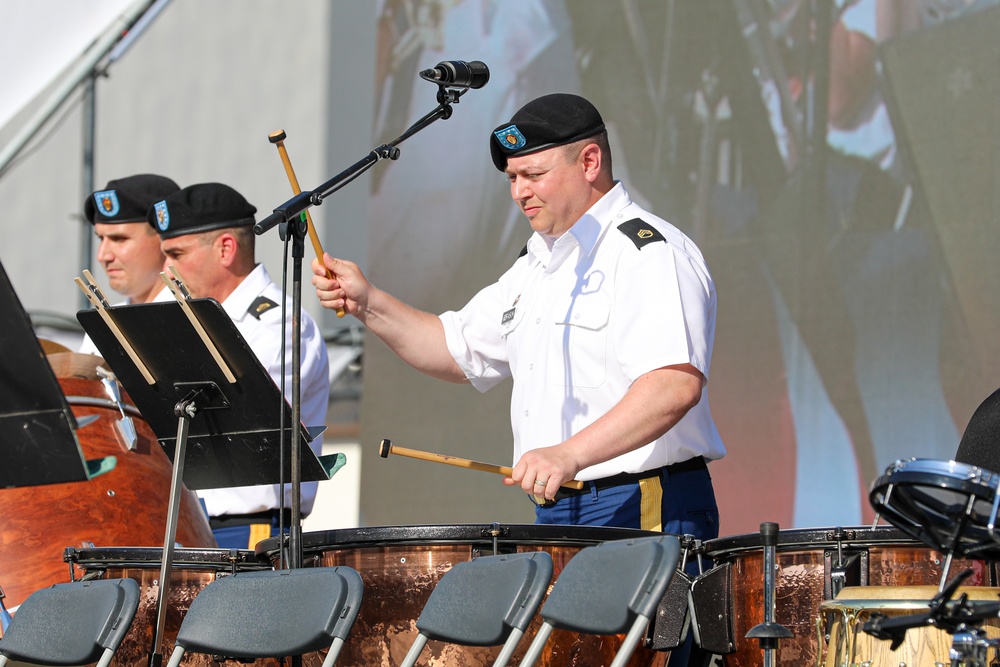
x: 272, y: 613
x: 71, y: 624
x: 608, y: 589
x: 487, y: 601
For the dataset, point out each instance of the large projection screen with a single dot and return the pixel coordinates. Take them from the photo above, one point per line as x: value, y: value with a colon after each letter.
x: 857, y: 301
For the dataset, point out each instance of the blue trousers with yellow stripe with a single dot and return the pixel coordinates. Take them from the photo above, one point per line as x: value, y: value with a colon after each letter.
x: 675, y: 502
x: 680, y: 503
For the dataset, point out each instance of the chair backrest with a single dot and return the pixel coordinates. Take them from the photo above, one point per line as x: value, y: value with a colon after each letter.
x: 610, y: 588
x: 272, y: 613
x: 487, y: 601
x: 71, y: 624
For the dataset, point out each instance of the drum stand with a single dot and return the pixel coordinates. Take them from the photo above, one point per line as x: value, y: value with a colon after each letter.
x: 961, y: 619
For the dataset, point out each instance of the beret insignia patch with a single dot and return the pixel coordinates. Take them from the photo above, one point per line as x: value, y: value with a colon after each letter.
x: 107, y: 203
x: 640, y: 233
x: 260, y: 306
x: 510, y: 138
x: 162, y: 215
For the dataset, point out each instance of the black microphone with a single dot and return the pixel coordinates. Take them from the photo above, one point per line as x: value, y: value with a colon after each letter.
x: 458, y: 73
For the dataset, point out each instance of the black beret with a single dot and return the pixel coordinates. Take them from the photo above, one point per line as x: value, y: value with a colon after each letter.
x: 127, y: 199
x: 200, y: 208
x: 545, y: 122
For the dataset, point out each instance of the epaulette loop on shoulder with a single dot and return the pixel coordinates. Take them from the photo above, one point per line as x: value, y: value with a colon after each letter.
x: 640, y: 233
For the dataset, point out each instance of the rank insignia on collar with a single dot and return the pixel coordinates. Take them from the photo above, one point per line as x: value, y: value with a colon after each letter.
x: 260, y: 306
x: 640, y: 232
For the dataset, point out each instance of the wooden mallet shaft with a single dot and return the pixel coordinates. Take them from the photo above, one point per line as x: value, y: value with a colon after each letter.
x: 278, y: 139
x: 386, y: 447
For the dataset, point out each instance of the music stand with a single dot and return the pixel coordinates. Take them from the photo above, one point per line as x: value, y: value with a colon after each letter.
x: 38, y: 443
x: 211, y: 404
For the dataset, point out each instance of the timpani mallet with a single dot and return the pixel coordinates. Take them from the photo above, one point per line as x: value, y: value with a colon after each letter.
x: 386, y: 447
x: 278, y: 139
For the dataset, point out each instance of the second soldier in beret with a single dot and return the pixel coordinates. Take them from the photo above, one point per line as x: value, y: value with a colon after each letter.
x: 207, y: 236
x: 605, y: 323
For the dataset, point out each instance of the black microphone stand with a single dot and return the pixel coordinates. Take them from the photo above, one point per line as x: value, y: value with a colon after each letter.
x: 289, y: 216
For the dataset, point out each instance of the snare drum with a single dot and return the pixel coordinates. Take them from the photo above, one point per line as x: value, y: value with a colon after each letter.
x: 812, y: 566
x: 924, y: 646
x: 401, y: 566
x: 947, y: 505
x: 192, y: 570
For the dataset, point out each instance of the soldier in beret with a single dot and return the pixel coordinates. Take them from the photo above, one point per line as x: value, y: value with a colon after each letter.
x: 206, y: 233
x: 605, y: 322
x: 128, y: 249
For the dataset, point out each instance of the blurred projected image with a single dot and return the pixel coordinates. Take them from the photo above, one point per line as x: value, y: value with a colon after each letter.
x: 836, y: 168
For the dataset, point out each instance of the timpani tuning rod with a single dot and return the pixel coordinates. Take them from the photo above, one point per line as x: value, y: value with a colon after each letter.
x: 768, y: 633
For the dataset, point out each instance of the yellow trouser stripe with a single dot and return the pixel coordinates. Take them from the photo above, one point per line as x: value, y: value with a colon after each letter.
x: 258, y: 532
x: 651, y: 505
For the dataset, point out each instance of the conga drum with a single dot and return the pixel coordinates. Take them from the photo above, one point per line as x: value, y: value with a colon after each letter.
x: 842, y: 619
x: 401, y: 565
x: 126, y: 506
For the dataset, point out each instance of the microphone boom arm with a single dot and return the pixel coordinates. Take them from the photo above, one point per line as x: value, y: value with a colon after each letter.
x: 306, y: 199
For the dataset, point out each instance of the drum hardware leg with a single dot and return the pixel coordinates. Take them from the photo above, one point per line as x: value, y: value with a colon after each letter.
x: 124, y: 426
x: 845, y: 572
x: 971, y: 648
x: 69, y: 556
x: 284, y: 544
x: 843, y: 567
x: 495, y: 531
x: 768, y: 633
x: 690, y: 545
x: 945, y: 570
x: 4, y: 615
x: 991, y: 523
x: 233, y: 558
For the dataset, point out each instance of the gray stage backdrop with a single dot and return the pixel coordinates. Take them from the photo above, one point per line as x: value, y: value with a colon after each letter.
x: 857, y: 314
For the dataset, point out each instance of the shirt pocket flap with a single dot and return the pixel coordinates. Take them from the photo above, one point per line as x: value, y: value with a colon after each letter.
x: 586, y: 313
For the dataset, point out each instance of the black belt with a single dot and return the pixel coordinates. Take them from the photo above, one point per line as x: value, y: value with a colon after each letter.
x: 621, y: 479
x: 267, y: 516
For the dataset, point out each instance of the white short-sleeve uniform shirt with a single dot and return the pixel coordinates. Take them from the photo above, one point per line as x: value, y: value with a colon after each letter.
x: 576, y: 323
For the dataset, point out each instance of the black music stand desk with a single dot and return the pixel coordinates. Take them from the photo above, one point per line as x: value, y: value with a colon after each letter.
x: 38, y: 443
x: 233, y: 440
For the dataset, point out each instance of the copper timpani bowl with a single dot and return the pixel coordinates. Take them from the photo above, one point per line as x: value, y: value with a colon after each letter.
x: 401, y: 565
